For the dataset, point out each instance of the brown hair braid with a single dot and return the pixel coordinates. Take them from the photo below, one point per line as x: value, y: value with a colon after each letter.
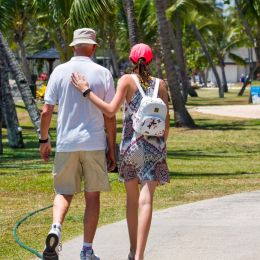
x: 141, y: 69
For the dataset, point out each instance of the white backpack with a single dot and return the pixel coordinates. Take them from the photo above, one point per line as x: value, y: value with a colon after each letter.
x: 149, y: 119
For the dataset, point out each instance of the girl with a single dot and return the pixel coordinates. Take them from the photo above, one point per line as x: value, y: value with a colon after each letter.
x: 143, y: 157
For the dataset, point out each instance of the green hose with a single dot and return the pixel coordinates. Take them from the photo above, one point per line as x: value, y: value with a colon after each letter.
x: 18, y: 223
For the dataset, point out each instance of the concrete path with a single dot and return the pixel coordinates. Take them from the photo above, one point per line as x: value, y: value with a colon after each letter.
x: 243, y: 111
x: 226, y: 228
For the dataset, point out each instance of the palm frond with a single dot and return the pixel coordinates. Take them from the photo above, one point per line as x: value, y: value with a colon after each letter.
x: 237, y: 59
x: 89, y: 12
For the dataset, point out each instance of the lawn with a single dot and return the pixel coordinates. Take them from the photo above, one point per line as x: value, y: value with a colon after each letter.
x: 219, y: 157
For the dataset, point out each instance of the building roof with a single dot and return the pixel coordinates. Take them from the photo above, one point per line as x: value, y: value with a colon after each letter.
x: 49, y: 54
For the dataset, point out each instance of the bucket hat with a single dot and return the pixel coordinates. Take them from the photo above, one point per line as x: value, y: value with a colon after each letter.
x: 84, y: 35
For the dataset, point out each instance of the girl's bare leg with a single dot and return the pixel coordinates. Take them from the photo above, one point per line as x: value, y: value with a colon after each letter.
x: 145, y: 216
x: 132, y: 192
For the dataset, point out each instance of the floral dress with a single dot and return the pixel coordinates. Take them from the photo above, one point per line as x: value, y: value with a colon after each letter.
x: 141, y: 156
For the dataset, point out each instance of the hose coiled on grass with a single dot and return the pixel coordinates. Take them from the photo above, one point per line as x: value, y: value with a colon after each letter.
x: 19, y: 222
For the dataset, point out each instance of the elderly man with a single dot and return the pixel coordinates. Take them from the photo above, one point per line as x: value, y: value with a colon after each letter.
x: 83, y: 149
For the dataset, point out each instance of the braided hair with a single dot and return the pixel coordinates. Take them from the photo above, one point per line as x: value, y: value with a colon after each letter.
x: 142, y: 70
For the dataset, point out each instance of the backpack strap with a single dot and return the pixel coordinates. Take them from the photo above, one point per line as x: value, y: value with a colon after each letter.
x: 138, y: 85
x: 126, y: 105
x: 156, y: 88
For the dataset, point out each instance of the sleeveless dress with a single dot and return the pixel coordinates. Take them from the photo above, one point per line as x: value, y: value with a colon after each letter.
x: 141, y: 156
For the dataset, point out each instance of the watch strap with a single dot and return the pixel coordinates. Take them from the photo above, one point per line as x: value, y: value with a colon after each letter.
x: 86, y: 92
x: 43, y: 141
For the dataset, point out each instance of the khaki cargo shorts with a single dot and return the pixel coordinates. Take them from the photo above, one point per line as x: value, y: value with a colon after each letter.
x: 70, y: 168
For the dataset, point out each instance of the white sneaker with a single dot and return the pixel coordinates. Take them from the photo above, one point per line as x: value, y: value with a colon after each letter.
x: 84, y: 256
x: 53, y: 244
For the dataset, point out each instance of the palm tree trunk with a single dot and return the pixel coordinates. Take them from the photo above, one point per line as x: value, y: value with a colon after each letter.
x: 244, y: 21
x: 180, y: 59
x: 247, y: 81
x: 21, y: 83
x: 181, y: 115
x: 204, y: 78
x: 158, y: 63
x: 14, y: 133
x: 256, y: 43
x: 224, y: 78
x: 112, y: 50
x: 1, y: 112
x: 25, y: 67
x: 131, y: 21
x: 210, y: 60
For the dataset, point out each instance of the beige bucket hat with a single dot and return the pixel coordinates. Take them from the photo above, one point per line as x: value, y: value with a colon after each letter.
x: 84, y: 35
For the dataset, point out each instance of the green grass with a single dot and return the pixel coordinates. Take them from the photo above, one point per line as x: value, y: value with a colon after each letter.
x: 220, y: 157
x: 209, y: 97
x: 255, y: 83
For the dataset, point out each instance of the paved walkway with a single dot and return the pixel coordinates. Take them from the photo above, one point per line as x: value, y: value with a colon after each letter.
x: 243, y: 111
x: 226, y: 228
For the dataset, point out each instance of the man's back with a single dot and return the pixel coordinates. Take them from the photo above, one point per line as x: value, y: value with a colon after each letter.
x: 80, y: 125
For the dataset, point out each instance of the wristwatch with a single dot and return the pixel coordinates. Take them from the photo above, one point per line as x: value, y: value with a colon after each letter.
x: 86, y: 92
x: 43, y: 141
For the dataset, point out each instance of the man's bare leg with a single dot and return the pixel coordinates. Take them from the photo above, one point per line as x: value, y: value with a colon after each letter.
x: 91, y: 216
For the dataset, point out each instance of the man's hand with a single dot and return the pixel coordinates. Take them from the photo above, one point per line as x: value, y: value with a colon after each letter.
x: 111, y: 160
x: 45, y: 151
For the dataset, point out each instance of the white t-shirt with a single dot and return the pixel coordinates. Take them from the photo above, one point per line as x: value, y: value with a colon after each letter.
x: 80, y: 124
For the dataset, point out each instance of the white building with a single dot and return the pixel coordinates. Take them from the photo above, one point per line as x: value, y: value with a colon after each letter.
x: 234, y: 71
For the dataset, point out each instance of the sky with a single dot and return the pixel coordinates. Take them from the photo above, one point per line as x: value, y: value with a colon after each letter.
x: 221, y: 3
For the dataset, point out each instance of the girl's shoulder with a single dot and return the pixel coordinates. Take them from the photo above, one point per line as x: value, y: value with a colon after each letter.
x: 126, y: 77
x: 126, y: 80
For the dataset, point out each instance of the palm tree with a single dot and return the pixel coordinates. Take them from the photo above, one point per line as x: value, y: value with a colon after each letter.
x: 181, y: 115
x: 16, y: 16
x: 226, y: 39
x: 131, y: 21
x: 1, y: 112
x: 14, y: 133
x: 249, y: 13
x: 21, y: 82
x: 197, y: 20
x: 61, y: 17
x: 180, y: 57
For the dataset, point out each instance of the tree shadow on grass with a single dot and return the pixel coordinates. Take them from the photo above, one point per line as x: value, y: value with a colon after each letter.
x: 206, y: 124
x: 24, y: 108
x: 214, y: 102
x: 198, y: 155
x: 181, y: 175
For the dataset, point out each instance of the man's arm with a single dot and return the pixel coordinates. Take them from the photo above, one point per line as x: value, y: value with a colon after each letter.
x: 46, y: 115
x: 110, y: 126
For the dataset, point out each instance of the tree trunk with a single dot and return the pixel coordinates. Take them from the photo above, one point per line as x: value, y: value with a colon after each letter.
x: 244, y: 21
x: 114, y: 59
x: 21, y: 83
x: 210, y: 60
x: 158, y: 59
x: 247, y: 81
x: 224, y: 78
x: 203, y: 76
x: 25, y: 63
x: 180, y: 59
x: 256, y: 43
x: 62, y: 36
x: 1, y: 112
x: 181, y: 115
x: 14, y: 132
x: 131, y: 21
